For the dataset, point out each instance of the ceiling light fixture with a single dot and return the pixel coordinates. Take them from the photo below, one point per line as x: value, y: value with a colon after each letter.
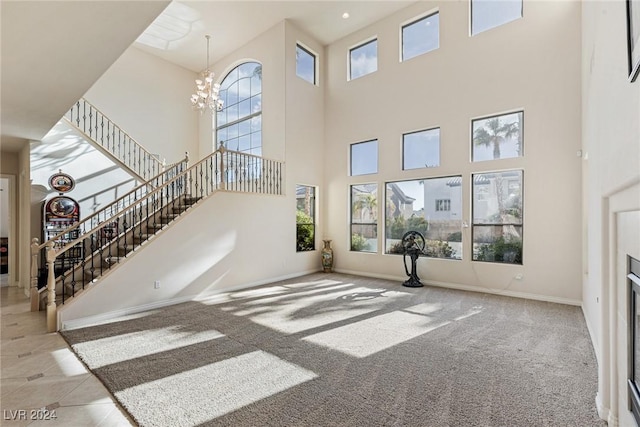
x: 345, y: 15
x: 206, y: 95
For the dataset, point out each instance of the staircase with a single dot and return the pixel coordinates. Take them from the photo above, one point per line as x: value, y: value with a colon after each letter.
x: 114, y: 235
x: 112, y: 141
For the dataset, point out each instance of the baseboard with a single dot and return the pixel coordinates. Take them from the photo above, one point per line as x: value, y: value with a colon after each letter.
x: 458, y: 286
x: 595, y: 343
x: 132, y: 311
x: 603, y: 412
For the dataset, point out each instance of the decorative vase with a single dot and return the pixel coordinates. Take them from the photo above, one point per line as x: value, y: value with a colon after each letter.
x: 327, y: 257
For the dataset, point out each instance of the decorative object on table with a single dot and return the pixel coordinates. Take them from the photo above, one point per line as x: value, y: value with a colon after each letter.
x: 327, y: 257
x: 413, y: 244
x: 633, y: 38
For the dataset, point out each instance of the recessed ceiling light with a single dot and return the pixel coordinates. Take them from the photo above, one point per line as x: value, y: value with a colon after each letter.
x: 345, y: 15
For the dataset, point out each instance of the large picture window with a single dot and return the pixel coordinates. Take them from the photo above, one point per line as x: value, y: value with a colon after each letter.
x: 420, y: 36
x: 498, y: 137
x: 363, y: 59
x: 497, y: 217
x: 305, y: 218
x: 421, y: 149
x: 364, y: 218
x: 430, y: 206
x: 239, y: 124
x: 364, y: 158
x: 487, y: 14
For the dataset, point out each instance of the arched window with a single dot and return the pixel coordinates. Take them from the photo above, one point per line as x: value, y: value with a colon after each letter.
x: 239, y: 124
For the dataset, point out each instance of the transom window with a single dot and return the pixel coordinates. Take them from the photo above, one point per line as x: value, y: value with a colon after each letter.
x: 306, y: 64
x: 421, y: 36
x: 421, y: 149
x: 364, y: 158
x: 239, y: 124
x: 487, y: 14
x: 363, y: 59
x: 498, y: 137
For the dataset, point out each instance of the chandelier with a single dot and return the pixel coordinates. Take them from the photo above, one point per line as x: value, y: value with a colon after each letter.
x: 206, y: 95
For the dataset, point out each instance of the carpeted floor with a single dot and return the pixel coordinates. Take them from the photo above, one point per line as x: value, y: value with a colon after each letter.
x: 339, y: 350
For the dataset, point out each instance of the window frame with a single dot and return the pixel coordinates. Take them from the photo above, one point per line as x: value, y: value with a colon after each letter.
x: 316, y: 67
x: 404, y: 168
x: 435, y: 248
x: 255, y: 150
x: 413, y: 21
x: 312, y: 215
x: 498, y: 115
x: 520, y: 224
x: 473, y: 34
x: 351, y: 157
x: 357, y: 46
x: 361, y: 223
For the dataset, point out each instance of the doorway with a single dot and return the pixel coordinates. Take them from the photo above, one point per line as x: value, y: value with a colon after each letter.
x: 7, y: 229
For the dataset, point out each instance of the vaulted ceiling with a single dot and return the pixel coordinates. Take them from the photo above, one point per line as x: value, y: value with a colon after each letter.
x: 53, y: 51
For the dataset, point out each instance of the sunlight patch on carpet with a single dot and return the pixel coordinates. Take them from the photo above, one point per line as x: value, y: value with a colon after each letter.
x: 369, y: 336
x: 119, y: 348
x: 213, y: 390
x: 317, y: 309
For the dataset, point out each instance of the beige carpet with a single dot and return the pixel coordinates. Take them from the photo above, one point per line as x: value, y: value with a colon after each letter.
x: 338, y: 350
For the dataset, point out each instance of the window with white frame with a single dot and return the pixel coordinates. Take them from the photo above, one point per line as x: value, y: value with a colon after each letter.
x: 487, y: 14
x: 430, y: 206
x: 239, y: 124
x: 498, y: 137
x: 364, y: 218
x: 497, y: 216
x: 305, y: 218
x: 306, y: 64
x: 421, y: 149
x: 364, y: 158
x: 420, y: 36
x: 363, y: 59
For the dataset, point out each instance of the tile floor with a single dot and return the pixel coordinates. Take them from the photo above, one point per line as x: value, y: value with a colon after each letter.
x: 41, y: 376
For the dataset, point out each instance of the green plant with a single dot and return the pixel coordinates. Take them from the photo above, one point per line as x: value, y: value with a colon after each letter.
x: 305, y: 239
x: 438, y: 249
x: 358, y: 242
x: 501, y: 250
x: 455, y: 237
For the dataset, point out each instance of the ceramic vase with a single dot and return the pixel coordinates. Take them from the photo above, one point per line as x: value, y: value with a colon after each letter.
x: 327, y: 257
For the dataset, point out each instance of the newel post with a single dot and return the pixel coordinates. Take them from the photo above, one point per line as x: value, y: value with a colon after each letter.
x: 52, y: 321
x: 33, y: 286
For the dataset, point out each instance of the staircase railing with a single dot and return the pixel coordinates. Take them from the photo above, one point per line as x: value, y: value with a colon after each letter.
x: 113, y: 141
x: 80, y: 261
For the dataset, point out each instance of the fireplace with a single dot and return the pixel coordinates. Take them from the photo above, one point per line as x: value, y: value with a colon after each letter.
x: 633, y: 382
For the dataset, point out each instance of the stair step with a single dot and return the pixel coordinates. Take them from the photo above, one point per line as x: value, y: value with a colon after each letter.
x: 190, y: 200
x: 143, y: 236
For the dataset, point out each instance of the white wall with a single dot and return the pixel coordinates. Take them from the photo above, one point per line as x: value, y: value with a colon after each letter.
x: 148, y: 98
x: 611, y: 140
x: 532, y: 64
x: 99, y: 181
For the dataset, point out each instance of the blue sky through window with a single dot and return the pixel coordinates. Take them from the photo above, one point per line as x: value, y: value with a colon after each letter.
x: 421, y: 36
x: 305, y: 65
x: 363, y: 59
x: 487, y: 14
x: 421, y: 149
x: 364, y: 158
